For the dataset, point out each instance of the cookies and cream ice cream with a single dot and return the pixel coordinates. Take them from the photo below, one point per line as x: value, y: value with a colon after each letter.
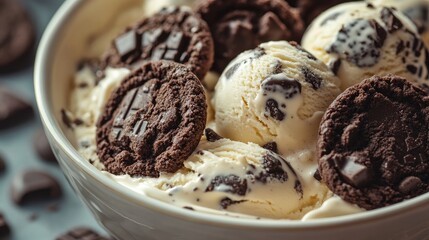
x: 358, y: 40
x: 274, y: 93
x: 259, y: 161
x: 221, y: 176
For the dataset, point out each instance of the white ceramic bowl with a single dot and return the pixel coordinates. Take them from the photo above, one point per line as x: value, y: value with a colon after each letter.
x: 128, y: 215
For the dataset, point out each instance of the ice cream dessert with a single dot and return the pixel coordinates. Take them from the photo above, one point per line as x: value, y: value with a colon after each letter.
x: 274, y: 93
x: 416, y: 10
x: 358, y: 40
x: 144, y: 118
x: 221, y: 176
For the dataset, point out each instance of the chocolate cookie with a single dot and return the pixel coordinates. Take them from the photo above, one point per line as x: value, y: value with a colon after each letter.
x: 17, y: 33
x: 373, y: 143
x: 153, y: 121
x: 174, y: 33
x: 241, y: 25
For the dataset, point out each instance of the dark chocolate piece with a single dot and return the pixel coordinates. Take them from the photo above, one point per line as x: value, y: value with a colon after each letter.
x: 17, y: 35
x: 13, y: 109
x: 4, y: 227
x: 211, y: 135
x: 32, y: 185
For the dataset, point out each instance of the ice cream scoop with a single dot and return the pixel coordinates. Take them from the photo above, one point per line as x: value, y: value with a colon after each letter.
x: 237, y: 178
x: 358, y: 40
x: 274, y: 93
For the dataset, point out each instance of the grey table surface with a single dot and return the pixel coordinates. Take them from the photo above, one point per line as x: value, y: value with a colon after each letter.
x: 16, y: 145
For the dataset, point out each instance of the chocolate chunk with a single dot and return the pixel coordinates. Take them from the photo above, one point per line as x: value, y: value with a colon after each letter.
x: 66, y: 119
x: 241, y: 25
x: 42, y: 147
x: 81, y: 233
x: 273, y: 168
x: 282, y: 84
x: 4, y: 227
x: 211, y: 135
x: 17, y: 35
x: 226, y: 202
x: 392, y: 22
x: 272, y: 146
x: 13, y: 109
x: 312, y: 78
x: 2, y: 164
x: 335, y: 66
x: 412, y: 69
x: 272, y: 109
x: 359, y: 41
x: 373, y: 143
x: 234, y: 184
x: 409, y: 184
x: 32, y: 185
x: 174, y: 34
x: 355, y: 173
x: 153, y: 121
x: 126, y: 44
x: 317, y: 176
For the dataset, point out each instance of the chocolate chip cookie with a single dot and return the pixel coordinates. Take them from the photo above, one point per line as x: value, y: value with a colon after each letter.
x: 153, y: 121
x: 17, y: 34
x: 241, y: 25
x: 373, y: 143
x: 175, y: 33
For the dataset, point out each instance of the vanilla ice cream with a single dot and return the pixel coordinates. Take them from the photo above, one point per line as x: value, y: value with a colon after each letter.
x: 235, y: 177
x: 274, y: 93
x: 416, y: 10
x: 359, y: 40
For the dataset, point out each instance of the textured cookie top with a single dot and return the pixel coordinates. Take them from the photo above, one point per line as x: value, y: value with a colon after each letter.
x: 174, y: 33
x: 153, y: 121
x: 373, y: 143
x: 241, y: 25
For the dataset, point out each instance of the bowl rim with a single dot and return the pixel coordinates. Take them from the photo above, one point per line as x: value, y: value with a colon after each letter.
x: 41, y: 79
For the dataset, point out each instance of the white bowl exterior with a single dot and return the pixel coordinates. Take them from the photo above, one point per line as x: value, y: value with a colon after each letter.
x: 127, y: 215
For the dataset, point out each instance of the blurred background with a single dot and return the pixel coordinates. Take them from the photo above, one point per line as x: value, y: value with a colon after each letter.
x: 47, y: 218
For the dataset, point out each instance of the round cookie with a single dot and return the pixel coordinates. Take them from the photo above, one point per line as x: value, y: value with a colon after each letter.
x: 241, y: 25
x: 17, y: 33
x: 373, y: 143
x: 174, y: 33
x: 153, y: 121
